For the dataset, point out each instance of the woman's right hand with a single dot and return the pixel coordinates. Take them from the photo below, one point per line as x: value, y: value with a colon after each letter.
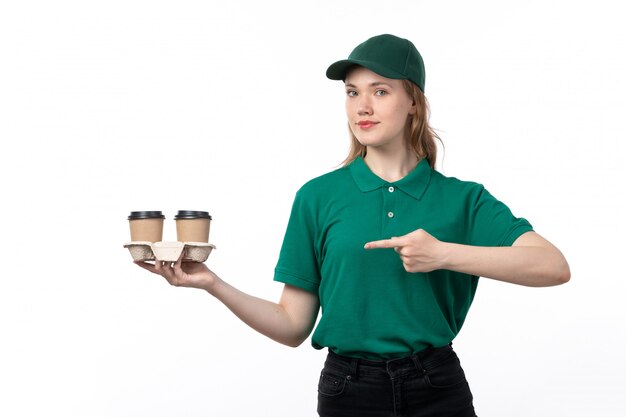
x: 183, y: 274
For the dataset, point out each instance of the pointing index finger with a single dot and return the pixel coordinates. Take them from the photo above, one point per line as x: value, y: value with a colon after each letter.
x: 394, y: 242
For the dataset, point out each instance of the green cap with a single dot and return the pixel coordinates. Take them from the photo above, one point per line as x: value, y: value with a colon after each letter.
x: 386, y: 55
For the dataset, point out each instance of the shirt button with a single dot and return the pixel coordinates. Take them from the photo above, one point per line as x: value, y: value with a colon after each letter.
x: 391, y: 189
x: 390, y: 214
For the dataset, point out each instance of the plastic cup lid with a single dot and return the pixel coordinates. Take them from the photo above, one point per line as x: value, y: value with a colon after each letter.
x: 191, y: 214
x: 140, y: 215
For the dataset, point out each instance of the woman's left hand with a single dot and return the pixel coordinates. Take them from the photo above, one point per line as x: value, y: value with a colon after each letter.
x: 419, y: 251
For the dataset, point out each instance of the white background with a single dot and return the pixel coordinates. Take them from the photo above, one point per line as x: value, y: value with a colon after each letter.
x: 108, y: 107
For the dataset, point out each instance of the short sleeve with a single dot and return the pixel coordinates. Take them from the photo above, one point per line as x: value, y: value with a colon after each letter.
x: 298, y: 261
x: 492, y: 223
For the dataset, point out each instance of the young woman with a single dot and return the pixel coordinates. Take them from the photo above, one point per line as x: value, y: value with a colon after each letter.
x: 390, y: 249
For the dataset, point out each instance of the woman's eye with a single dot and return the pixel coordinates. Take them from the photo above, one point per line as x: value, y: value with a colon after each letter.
x: 351, y: 93
x: 380, y: 92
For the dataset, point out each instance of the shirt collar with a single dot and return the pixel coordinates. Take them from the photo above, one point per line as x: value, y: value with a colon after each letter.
x: 413, y: 184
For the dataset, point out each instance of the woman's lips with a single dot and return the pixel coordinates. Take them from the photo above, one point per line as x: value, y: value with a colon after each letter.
x: 366, y: 124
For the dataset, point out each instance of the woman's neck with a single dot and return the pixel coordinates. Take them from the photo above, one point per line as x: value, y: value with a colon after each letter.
x: 390, y: 166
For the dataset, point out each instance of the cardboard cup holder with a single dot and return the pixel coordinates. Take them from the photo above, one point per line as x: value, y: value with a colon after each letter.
x: 169, y: 251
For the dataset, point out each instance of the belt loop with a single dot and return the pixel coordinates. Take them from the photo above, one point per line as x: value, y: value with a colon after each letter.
x: 354, y: 368
x: 418, y: 364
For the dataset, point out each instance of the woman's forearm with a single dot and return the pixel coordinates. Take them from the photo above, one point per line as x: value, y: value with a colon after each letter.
x: 532, y: 262
x: 289, y: 321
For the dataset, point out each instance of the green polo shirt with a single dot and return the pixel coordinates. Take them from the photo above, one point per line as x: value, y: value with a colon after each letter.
x: 371, y: 307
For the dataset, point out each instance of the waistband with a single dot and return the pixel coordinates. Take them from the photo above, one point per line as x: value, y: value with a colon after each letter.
x: 421, y: 361
x: 422, y: 355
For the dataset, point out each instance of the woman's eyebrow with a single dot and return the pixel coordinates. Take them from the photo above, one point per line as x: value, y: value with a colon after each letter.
x: 374, y: 84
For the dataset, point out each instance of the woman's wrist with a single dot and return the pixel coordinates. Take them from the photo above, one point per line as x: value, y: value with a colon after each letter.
x: 212, y: 284
x: 446, y: 255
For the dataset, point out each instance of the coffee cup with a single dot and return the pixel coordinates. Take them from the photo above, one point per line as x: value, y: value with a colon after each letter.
x: 146, y: 226
x: 192, y: 226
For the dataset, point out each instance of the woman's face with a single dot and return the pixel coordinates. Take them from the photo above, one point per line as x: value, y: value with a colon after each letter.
x: 378, y: 108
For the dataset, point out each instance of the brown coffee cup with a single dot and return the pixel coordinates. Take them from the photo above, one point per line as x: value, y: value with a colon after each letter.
x: 146, y: 226
x: 192, y: 226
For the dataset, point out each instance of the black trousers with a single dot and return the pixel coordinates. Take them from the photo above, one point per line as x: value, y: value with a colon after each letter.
x: 430, y: 383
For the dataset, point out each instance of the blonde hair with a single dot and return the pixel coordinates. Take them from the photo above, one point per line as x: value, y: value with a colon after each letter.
x: 421, y: 138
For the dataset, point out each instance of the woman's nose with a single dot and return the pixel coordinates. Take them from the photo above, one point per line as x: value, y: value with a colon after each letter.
x: 365, y: 106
